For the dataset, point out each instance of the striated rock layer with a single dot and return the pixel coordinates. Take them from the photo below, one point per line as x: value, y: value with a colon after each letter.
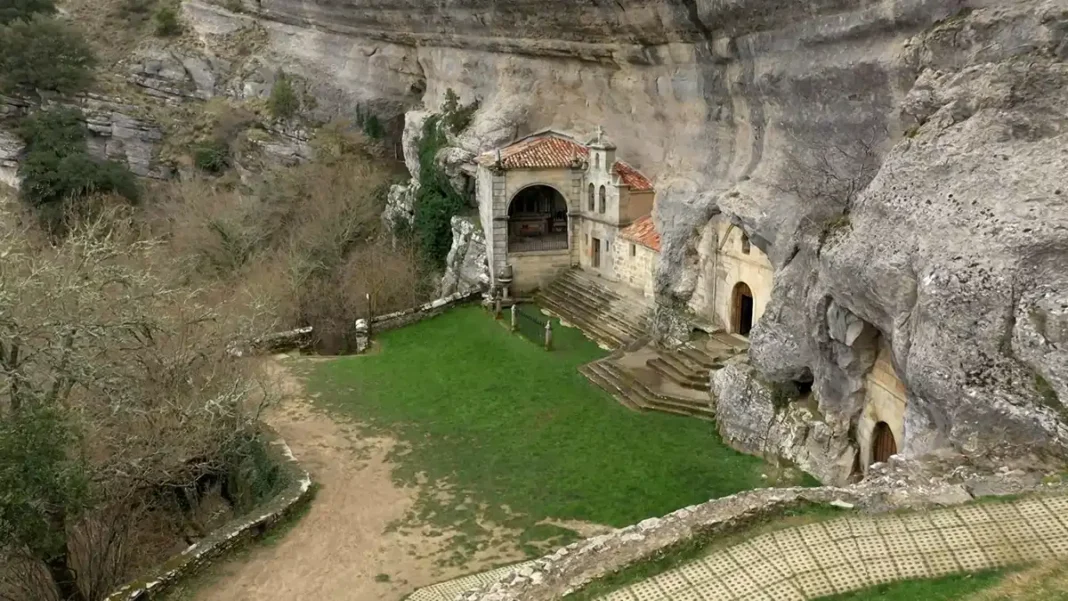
x: 902, y: 163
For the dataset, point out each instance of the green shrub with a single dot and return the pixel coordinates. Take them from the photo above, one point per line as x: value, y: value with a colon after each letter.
x: 283, y: 102
x: 13, y: 10
x: 212, y: 156
x: 252, y: 474
x: 235, y: 6
x: 369, y: 123
x: 456, y: 116
x: 167, y: 23
x: 57, y: 167
x: 436, y: 202
x: 44, y: 54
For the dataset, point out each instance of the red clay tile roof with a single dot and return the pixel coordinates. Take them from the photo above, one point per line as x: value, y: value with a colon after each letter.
x: 643, y: 231
x: 631, y: 177
x: 537, y: 153
x: 548, y: 151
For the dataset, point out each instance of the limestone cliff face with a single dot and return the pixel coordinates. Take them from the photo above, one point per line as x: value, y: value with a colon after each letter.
x: 956, y: 254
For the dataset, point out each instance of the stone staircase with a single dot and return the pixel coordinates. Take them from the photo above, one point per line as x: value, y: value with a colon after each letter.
x: 601, y: 309
x: 633, y: 394
x: 688, y: 366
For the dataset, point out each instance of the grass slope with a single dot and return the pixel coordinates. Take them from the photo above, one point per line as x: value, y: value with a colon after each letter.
x: 509, y: 424
x: 949, y: 588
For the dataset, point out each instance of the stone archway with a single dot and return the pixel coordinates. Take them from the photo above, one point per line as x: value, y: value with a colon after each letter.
x: 741, y: 309
x: 883, y: 444
x: 537, y: 220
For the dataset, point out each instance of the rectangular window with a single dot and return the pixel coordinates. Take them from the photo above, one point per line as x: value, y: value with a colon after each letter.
x: 633, y: 250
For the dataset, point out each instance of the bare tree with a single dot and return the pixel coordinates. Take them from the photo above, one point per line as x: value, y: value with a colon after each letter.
x: 114, y: 386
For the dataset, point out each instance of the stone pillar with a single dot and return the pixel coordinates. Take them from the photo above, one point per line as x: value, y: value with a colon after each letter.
x: 363, y: 336
x: 498, y: 236
x: 515, y: 317
x: 549, y: 334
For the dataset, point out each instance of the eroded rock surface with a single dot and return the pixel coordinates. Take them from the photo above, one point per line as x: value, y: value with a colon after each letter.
x: 466, y: 268
x: 953, y: 254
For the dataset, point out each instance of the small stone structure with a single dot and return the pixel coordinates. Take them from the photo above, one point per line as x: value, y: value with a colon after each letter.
x: 391, y: 321
x: 236, y: 532
x: 548, y: 202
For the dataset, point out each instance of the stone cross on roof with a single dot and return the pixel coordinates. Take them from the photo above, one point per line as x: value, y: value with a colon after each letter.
x: 600, y: 135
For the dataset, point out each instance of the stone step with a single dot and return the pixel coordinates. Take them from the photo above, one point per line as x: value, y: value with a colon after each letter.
x: 599, y: 292
x: 622, y: 309
x: 682, y: 379
x: 594, y: 374
x: 731, y: 340
x: 700, y: 358
x: 649, y: 399
x: 590, y: 314
x: 599, y: 332
x: 565, y: 298
x: 684, y: 364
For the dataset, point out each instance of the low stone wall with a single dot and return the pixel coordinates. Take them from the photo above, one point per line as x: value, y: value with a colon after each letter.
x: 391, y: 321
x: 901, y: 484
x: 231, y: 535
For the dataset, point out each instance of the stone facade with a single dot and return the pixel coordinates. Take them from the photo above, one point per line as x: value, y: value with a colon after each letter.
x: 602, y: 196
x: 727, y: 258
x: 633, y: 264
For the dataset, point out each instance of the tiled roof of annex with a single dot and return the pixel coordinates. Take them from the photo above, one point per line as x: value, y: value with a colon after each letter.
x: 643, y: 231
x: 551, y: 150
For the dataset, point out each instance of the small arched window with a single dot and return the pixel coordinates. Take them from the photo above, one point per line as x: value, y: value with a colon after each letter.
x: 601, y: 205
x: 745, y: 244
x: 596, y: 159
x: 590, y: 204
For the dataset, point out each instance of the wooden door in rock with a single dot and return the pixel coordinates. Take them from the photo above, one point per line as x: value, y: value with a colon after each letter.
x: 596, y: 253
x: 742, y: 309
x: 883, y: 444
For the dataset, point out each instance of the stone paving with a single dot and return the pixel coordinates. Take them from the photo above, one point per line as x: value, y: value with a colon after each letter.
x: 846, y: 554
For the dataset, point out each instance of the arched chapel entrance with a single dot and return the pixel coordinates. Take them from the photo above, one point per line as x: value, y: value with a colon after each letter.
x: 883, y: 444
x: 537, y: 220
x: 742, y: 309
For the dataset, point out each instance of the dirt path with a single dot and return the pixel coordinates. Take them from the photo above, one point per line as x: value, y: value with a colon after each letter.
x: 340, y: 549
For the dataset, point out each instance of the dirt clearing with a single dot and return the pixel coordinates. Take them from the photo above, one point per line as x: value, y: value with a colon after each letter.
x: 344, y: 548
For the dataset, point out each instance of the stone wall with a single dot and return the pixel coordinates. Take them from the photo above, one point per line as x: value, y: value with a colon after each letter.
x: 633, y: 265
x: 399, y: 319
x: 900, y: 485
x: 228, y: 537
x: 721, y: 265
x: 535, y: 269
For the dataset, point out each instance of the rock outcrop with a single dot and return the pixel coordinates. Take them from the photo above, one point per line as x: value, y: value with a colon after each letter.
x: 466, y: 267
x: 900, y: 162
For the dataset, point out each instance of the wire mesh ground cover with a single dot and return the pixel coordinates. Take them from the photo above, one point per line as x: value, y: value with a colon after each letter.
x: 833, y: 557
x: 507, y: 424
x: 827, y: 558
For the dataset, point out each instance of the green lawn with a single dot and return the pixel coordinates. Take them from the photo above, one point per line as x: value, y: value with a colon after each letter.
x: 957, y: 587
x: 508, y: 424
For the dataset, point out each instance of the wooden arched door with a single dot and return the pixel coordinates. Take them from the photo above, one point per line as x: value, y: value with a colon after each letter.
x: 883, y: 444
x: 742, y: 309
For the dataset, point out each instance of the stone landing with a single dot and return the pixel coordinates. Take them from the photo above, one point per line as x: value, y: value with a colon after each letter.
x: 676, y: 381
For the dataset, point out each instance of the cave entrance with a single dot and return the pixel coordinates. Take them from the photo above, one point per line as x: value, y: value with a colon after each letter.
x: 742, y: 309
x: 883, y: 444
x: 537, y: 220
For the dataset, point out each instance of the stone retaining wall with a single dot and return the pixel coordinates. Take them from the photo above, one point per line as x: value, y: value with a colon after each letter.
x: 391, y: 321
x: 901, y: 484
x: 229, y: 536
